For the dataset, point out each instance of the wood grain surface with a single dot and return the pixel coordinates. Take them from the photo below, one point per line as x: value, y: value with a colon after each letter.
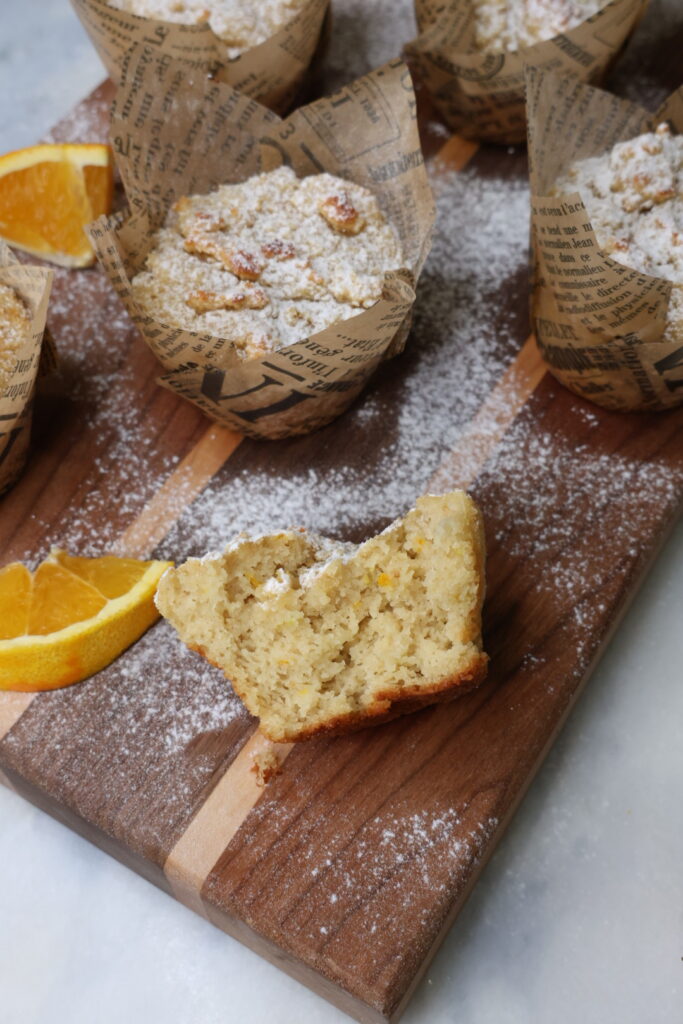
x: 349, y: 867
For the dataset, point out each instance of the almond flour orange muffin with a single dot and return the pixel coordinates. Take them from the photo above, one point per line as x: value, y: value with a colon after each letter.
x: 269, y: 261
x: 515, y: 24
x: 319, y: 636
x: 634, y: 198
x: 241, y: 24
x: 15, y: 327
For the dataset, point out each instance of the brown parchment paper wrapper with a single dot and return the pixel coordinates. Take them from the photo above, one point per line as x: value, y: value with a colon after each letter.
x: 480, y: 94
x: 175, y: 133
x: 598, y: 323
x: 16, y: 401
x: 272, y: 72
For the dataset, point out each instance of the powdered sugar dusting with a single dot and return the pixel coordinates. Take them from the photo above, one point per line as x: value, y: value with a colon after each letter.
x: 365, y: 36
x: 204, y: 703
x: 134, y: 734
x: 268, y: 262
x: 434, y: 847
x: 15, y: 327
x: 88, y: 122
x: 99, y: 383
x: 516, y: 24
x: 585, y: 511
x: 398, y: 874
x: 239, y: 23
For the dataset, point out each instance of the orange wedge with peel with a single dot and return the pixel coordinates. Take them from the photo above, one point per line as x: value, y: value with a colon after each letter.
x: 48, y: 193
x: 71, y: 617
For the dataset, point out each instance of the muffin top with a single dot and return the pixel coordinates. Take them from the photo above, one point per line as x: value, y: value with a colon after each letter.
x: 15, y: 328
x: 514, y: 24
x: 269, y: 261
x: 239, y: 23
x: 634, y: 198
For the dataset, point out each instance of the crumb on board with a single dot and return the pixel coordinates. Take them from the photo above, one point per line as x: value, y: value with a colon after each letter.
x: 266, y: 764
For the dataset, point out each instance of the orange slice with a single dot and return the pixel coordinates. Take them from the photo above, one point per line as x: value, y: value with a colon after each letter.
x: 71, y: 617
x: 48, y: 193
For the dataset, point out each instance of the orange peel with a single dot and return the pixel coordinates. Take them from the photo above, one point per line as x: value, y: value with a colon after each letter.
x: 49, y: 193
x: 71, y: 617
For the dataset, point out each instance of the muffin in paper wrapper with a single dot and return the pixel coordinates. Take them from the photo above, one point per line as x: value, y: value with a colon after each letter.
x: 598, y: 323
x: 177, y: 133
x: 480, y: 93
x: 271, y: 72
x: 35, y: 357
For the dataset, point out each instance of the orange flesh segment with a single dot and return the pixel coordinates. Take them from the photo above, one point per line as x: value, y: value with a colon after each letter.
x: 44, y: 206
x: 110, y: 575
x: 15, y: 599
x: 99, y: 184
x: 60, y: 599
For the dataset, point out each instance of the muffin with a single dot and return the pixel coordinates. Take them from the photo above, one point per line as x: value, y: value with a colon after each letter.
x: 15, y: 329
x: 471, y: 55
x: 269, y: 261
x: 633, y: 195
x: 240, y: 24
x: 323, y: 637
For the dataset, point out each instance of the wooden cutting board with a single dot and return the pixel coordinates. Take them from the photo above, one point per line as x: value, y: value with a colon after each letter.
x: 350, y: 866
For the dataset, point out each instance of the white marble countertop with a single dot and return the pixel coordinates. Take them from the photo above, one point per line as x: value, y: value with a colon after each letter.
x: 578, y: 917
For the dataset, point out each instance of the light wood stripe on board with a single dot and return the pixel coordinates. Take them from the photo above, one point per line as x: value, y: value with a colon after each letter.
x: 455, y: 154
x: 12, y: 707
x: 185, y: 483
x: 190, y: 861
x: 486, y: 430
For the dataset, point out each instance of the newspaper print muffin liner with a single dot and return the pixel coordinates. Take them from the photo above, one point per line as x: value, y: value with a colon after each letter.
x: 480, y: 93
x: 35, y: 357
x: 366, y: 133
x: 598, y: 323
x: 272, y: 72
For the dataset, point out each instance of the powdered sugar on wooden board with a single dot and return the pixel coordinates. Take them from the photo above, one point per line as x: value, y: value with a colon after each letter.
x: 135, y: 733
x: 585, y: 511
x: 87, y: 122
x: 398, y: 864
x: 638, y: 75
x: 365, y: 36
x: 98, y: 385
